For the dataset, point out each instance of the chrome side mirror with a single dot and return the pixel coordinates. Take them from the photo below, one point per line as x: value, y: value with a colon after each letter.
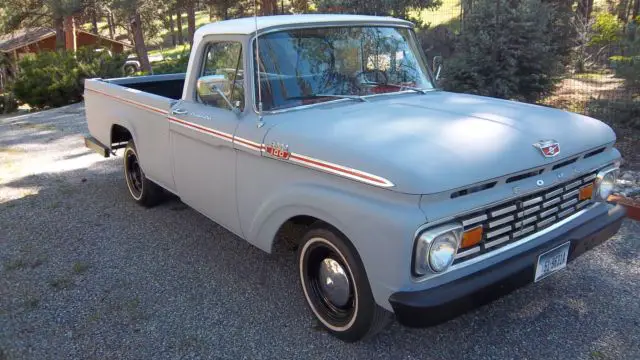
x: 210, y: 89
x: 437, y: 66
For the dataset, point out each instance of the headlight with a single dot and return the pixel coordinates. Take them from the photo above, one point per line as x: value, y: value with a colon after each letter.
x: 436, y: 249
x: 605, y: 182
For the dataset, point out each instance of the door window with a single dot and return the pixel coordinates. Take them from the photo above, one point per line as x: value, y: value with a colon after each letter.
x: 222, y: 70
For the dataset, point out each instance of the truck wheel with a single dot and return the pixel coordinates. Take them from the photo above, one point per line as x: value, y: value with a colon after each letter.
x: 144, y: 191
x: 336, y: 288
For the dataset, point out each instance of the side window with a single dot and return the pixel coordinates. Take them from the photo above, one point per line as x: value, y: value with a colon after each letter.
x: 222, y: 69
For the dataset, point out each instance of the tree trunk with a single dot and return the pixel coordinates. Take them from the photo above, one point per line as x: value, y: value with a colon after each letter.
x: 94, y: 18
x: 70, y: 41
x: 191, y: 19
x: 584, y: 9
x: 172, y: 30
x: 179, y: 24
x: 138, y: 39
x: 636, y: 10
x: 111, y: 25
x: 269, y: 7
x: 622, y: 10
x: 465, y: 9
x: 212, y: 12
x: 59, y: 25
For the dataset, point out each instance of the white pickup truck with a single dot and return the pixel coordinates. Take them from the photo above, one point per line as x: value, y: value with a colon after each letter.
x: 416, y: 202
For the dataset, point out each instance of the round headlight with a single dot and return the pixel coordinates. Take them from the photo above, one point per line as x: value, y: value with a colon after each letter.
x: 436, y: 249
x: 443, y: 252
x: 605, y: 183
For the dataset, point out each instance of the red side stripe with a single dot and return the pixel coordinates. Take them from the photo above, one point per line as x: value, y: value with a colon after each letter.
x: 245, y: 142
x: 211, y: 131
x: 240, y: 140
x: 335, y: 168
x: 135, y: 103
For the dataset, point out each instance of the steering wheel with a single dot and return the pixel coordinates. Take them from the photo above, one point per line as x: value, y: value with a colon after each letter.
x: 376, y: 76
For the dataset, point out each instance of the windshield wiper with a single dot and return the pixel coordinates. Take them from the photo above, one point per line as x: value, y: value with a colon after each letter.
x: 314, y: 96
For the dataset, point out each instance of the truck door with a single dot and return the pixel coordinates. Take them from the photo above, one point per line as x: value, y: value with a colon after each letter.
x: 201, y: 133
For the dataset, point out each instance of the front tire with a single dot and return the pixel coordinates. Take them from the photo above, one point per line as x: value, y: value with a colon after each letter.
x: 336, y: 288
x: 144, y: 191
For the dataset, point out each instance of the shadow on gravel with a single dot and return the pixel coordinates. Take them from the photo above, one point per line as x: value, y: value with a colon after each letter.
x: 168, y: 282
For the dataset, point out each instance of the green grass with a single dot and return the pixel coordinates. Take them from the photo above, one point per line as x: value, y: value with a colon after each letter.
x: 31, y: 302
x: 15, y: 265
x: 589, y: 76
x: 171, y: 52
x: 60, y: 283
x: 80, y: 267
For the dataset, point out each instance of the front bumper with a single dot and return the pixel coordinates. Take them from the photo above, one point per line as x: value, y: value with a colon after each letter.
x: 441, y: 303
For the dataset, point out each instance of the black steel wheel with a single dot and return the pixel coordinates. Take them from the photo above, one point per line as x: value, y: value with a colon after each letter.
x: 142, y: 190
x: 335, y: 286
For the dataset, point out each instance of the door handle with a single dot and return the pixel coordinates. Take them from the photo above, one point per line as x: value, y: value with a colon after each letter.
x: 178, y: 112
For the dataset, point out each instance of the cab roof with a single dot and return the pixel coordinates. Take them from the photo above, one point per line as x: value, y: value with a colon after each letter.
x: 246, y: 26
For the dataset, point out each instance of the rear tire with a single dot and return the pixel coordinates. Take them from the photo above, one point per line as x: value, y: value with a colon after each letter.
x: 336, y: 287
x: 144, y: 191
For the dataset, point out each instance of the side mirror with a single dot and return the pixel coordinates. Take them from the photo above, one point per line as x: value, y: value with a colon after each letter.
x: 211, y: 89
x: 437, y: 66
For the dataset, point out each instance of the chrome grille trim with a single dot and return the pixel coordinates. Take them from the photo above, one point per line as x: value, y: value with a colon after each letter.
x: 473, y: 250
x: 566, y: 212
x: 554, y: 193
x: 573, y: 185
x: 524, y: 217
x: 546, y: 213
x: 532, y: 201
x: 546, y: 221
x: 568, y: 203
x: 582, y: 204
x: 503, y: 211
x: 474, y: 220
x: 570, y: 194
x: 524, y: 231
x: 529, y: 211
x: 496, y: 242
x: 551, y: 202
x: 501, y: 221
x: 498, y: 232
x: 528, y: 220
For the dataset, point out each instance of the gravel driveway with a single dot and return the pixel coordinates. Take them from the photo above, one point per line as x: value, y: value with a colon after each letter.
x: 87, y: 274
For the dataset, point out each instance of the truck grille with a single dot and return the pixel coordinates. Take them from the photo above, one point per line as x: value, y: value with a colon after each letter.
x: 521, y: 217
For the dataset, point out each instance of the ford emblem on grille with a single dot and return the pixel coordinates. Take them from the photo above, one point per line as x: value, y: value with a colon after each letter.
x: 548, y: 148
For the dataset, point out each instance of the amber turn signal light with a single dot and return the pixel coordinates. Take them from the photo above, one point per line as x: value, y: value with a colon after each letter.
x: 586, y: 192
x: 471, y: 237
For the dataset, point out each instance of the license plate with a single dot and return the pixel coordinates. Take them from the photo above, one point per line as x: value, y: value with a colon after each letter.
x: 552, y: 261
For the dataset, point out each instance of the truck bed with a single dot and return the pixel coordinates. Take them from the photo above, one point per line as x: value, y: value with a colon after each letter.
x: 166, y: 85
x: 135, y: 108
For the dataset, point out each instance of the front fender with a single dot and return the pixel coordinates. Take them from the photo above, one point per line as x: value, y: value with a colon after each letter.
x: 379, y: 223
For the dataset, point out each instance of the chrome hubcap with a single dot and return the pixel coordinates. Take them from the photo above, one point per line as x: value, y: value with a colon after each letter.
x: 334, y: 282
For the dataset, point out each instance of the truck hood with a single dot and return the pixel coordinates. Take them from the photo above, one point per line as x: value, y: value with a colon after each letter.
x: 434, y: 142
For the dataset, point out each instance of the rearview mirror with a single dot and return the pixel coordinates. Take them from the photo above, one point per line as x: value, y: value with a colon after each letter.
x: 437, y: 66
x: 211, y: 90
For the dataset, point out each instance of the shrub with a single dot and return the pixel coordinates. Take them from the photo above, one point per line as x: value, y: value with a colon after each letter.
x: 52, y: 79
x: 625, y: 112
x: 607, y: 29
x: 8, y: 103
x: 506, y: 51
x: 172, y: 65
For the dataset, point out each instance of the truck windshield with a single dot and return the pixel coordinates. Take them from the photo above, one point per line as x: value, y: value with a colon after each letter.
x: 307, y: 66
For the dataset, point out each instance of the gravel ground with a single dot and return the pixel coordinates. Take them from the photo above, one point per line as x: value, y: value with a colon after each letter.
x: 85, y: 273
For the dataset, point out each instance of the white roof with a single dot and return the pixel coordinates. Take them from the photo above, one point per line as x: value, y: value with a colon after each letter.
x: 247, y: 25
